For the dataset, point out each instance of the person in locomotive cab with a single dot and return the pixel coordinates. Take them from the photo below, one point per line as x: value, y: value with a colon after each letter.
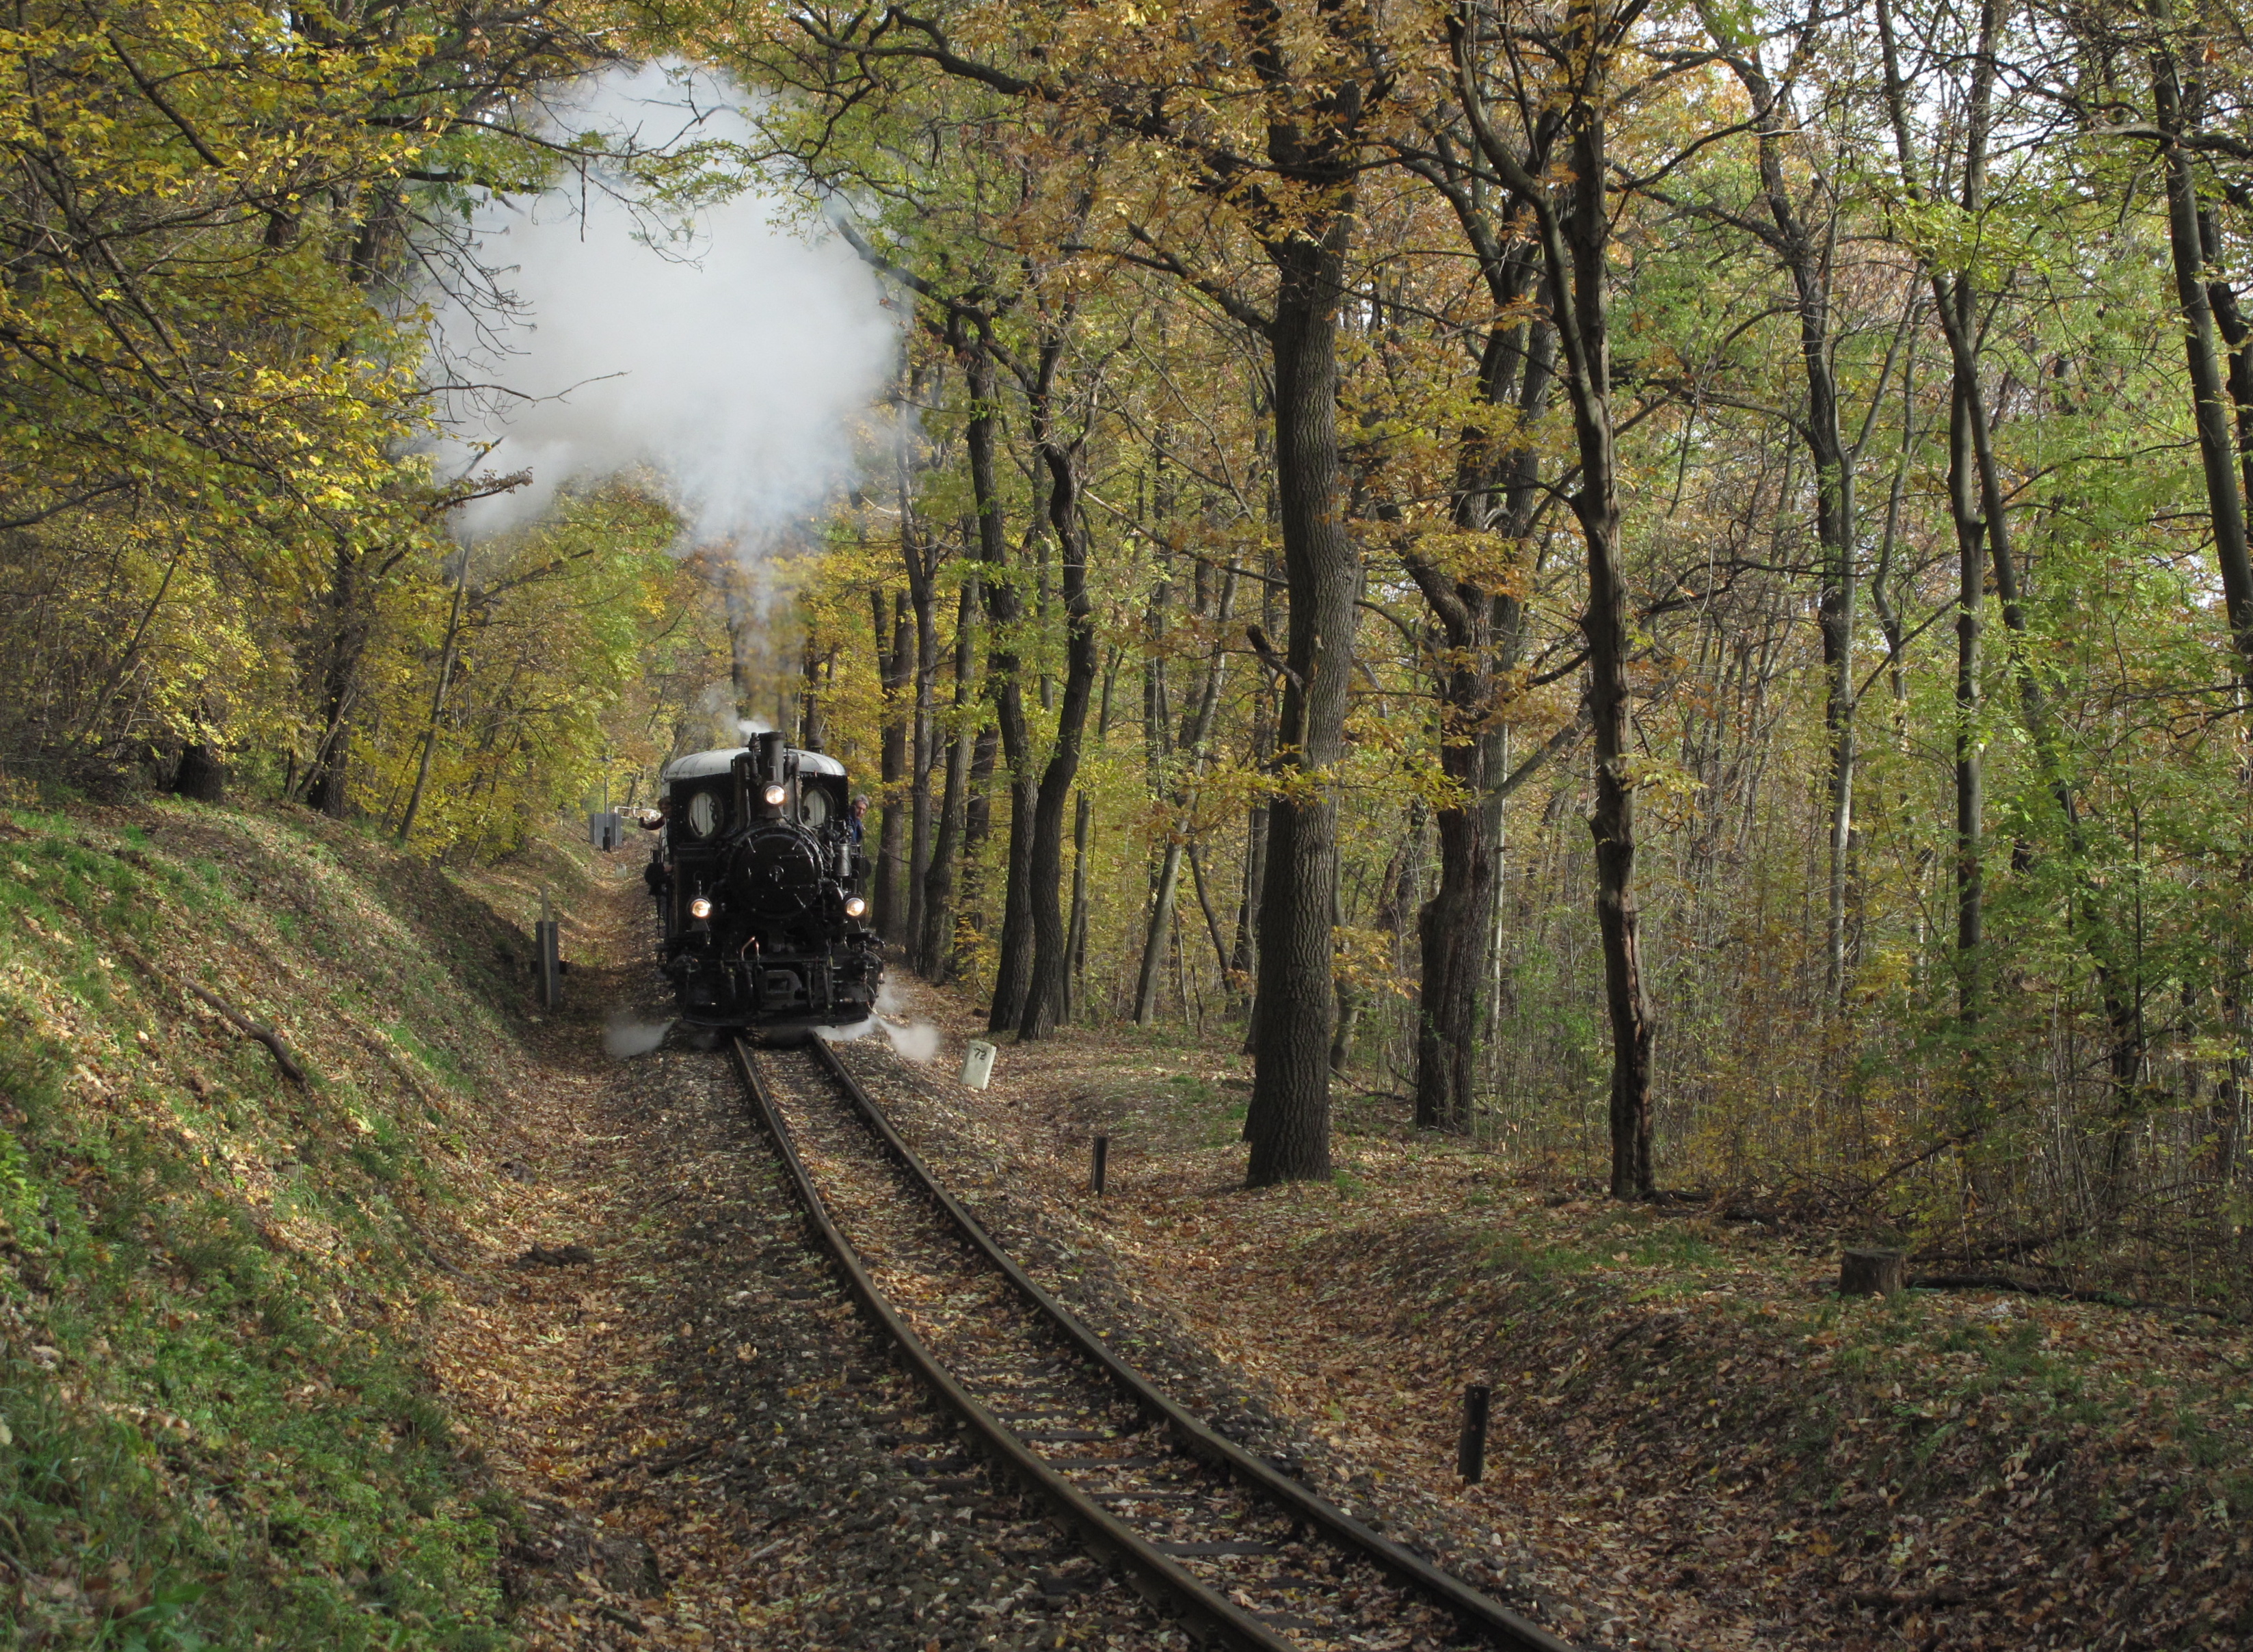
x: 654, y: 873
x: 859, y: 820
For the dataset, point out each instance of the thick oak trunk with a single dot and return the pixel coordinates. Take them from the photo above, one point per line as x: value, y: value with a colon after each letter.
x: 1050, y: 992
x: 1288, y: 1120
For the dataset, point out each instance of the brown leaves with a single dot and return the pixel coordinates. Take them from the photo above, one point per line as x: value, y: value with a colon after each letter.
x: 1694, y: 1441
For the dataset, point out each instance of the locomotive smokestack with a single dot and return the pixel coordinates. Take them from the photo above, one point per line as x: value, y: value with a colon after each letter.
x: 770, y: 748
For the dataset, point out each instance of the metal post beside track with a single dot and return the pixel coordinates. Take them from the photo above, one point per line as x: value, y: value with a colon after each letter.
x: 550, y: 962
x: 1471, y: 1454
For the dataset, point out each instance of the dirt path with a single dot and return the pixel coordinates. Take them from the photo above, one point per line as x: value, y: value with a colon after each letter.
x: 699, y: 1443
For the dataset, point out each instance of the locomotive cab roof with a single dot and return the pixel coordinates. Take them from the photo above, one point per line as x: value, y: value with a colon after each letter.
x: 701, y: 765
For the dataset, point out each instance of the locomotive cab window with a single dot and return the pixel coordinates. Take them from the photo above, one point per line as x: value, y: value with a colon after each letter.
x: 814, y: 806
x: 703, y: 814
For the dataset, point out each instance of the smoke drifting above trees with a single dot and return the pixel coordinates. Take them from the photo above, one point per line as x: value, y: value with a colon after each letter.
x: 729, y: 352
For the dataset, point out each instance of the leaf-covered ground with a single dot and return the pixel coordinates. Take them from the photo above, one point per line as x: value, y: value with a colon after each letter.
x: 1695, y: 1442
x: 297, y: 1365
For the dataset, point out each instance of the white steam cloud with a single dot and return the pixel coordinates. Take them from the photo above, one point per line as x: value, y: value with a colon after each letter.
x: 731, y: 363
x: 915, y: 1041
x: 625, y: 1036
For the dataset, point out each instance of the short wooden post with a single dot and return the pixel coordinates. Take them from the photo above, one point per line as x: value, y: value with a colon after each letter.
x: 550, y: 965
x: 1870, y: 1272
x: 1470, y: 1452
x: 1102, y: 1164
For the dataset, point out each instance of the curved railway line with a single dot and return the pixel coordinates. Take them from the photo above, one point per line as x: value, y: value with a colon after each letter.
x: 1239, y: 1554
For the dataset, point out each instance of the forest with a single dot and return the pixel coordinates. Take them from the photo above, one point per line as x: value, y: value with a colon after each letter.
x: 1665, y: 587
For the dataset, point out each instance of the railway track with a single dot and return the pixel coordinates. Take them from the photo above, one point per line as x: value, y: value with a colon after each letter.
x: 1239, y: 1553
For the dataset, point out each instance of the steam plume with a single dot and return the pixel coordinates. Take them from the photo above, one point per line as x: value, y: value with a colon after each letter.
x: 625, y: 1035
x: 732, y: 364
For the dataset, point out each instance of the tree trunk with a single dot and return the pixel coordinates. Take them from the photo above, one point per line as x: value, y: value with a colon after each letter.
x: 813, y: 719
x: 895, y: 663
x: 1045, y: 1001
x: 200, y: 776
x: 921, y: 749
x: 1971, y: 600
x: 1244, y: 954
x: 977, y: 826
x: 744, y: 629
x: 2218, y: 456
x: 1158, y: 928
x: 327, y: 777
x: 1083, y: 837
x: 1587, y: 230
x: 1835, y: 531
x: 437, y: 706
x: 1013, y: 971
x: 1806, y: 260
x: 1182, y: 799
x: 939, y: 880
x: 1456, y: 927
x: 1288, y: 1121
x: 1975, y: 505
x: 1573, y: 220
x: 1394, y: 892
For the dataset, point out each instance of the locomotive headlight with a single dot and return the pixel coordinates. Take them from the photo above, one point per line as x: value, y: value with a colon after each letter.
x: 774, y: 795
x: 700, y: 908
x: 855, y: 906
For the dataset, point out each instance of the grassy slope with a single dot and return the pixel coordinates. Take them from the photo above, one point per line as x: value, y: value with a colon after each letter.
x: 211, y: 1278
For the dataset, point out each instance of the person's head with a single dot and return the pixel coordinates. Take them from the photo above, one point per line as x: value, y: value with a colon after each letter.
x: 860, y: 805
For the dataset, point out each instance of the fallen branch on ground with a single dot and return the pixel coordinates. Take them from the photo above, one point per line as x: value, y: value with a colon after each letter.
x: 249, y: 1029
x: 283, y: 1056
x: 2030, y: 1287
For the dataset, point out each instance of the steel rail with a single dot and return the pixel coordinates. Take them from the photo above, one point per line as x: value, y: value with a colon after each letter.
x: 1505, y: 1627
x: 1202, y: 1611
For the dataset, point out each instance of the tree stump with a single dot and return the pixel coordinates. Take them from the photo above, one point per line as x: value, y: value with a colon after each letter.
x: 1870, y: 1272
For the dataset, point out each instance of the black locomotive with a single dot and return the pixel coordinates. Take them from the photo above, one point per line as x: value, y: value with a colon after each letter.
x: 762, y: 891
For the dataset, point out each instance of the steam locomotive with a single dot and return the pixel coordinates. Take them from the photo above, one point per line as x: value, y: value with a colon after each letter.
x: 760, y: 890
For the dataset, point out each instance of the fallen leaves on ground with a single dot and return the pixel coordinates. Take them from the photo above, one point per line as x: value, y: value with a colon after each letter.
x: 1695, y: 1441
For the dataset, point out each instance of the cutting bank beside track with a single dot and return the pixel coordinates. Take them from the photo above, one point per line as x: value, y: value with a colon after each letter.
x: 1240, y: 1553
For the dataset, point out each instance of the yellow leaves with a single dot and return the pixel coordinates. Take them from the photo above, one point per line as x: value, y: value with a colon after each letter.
x: 1492, y: 562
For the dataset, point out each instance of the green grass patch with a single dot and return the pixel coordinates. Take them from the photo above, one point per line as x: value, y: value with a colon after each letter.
x: 214, y: 1430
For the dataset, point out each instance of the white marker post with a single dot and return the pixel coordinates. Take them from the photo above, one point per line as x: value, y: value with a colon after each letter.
x: 978, y: 1064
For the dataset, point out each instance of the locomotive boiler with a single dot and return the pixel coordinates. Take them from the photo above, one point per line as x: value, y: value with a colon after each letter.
x: 762, y: 891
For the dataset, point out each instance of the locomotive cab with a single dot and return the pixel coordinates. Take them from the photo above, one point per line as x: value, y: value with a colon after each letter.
x: 762, y: 898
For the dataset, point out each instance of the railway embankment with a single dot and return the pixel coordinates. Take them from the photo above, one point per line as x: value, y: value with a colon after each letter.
x: 253, y: 1074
